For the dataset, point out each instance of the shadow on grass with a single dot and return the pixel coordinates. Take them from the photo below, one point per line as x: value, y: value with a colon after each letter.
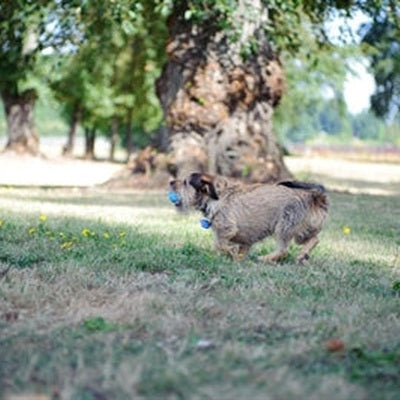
x: 27, y: 243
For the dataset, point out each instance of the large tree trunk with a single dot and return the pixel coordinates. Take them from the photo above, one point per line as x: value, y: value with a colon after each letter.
x: 68, y: 148
x: 218, y: 104
x: 20, y: 122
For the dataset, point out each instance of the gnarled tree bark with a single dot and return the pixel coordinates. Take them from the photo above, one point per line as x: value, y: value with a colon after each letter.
x: 19, y: 111
x: 218, y: 104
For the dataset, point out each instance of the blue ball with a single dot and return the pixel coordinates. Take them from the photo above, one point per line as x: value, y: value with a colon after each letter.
x: 173, y: 197
x: 205, y: 223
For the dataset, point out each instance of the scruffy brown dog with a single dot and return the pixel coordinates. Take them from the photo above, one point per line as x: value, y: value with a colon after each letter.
x: 241, y: 215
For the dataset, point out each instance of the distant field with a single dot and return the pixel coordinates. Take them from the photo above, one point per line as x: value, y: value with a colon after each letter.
x: 115, y: 296
x: 363, y: 151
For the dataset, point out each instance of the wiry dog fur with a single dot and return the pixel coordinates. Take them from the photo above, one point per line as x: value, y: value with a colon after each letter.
x: 242, y: 215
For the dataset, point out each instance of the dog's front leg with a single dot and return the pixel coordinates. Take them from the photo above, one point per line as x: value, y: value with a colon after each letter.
x: 225, y: 246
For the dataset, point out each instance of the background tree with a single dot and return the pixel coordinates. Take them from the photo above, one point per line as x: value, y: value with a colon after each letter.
x: 382, y: 37
x: 107, y: 84
x: 224, y: 77
x: 315, y: 84
x: 21, y: 32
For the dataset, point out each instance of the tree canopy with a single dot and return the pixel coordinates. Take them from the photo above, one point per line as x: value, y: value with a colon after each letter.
x: 107, y: 54
x: 382, y: 39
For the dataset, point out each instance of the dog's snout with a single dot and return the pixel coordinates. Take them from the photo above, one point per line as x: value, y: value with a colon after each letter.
x: 172, y: 183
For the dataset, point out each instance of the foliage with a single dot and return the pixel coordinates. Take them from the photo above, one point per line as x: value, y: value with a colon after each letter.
x: 112, y: 73
x: 327, y: 122
x: 382, y: 37
x: 27, y: 28
x: 103, y: 57
x: 313, y: 84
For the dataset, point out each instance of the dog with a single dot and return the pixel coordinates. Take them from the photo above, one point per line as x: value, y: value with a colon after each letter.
x: 243, y: 214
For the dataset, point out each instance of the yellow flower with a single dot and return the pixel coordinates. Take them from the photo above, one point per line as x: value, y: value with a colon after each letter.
x: 106, y: 235
x: 66, y: 245
x: 122, y: 234
x: 86, y: 232
x: 1, y: 223
x: 346, y: 230
x: 31, y: 231
x: 43, y: 218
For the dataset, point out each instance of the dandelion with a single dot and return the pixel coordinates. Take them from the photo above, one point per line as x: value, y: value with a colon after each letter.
x: 122, y: 234
x: 43, y: 218
x: 31, y: 230
x: 1, y: 223
x: 106, y: 235
x: 346, y: 230
x: 66, y: 245
x: 86, y: 232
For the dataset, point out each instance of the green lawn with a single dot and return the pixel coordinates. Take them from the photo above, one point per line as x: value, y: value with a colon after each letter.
x: 115, y: 296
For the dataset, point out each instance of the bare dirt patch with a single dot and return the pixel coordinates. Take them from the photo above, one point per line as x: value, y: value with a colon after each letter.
x: 17, y: 170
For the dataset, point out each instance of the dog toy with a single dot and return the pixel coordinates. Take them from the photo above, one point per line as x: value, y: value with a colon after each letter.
x: 205, y: 223
x: 173, y: 197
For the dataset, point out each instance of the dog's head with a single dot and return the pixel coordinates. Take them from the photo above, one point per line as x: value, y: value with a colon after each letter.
x: 193, y: 192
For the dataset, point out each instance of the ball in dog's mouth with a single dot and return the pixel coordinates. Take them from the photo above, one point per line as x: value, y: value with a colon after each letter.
x: 174, y: 198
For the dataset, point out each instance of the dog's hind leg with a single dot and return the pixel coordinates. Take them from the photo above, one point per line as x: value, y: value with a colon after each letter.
x: 280, y: 253
x: 307, y: 248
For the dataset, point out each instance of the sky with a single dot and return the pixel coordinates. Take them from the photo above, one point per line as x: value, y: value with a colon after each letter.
x: 358, y: 88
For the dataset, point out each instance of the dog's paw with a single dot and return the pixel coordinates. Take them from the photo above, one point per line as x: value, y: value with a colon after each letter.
x: 302, y: 259
x: 273, y: 258
x: 268, y: 259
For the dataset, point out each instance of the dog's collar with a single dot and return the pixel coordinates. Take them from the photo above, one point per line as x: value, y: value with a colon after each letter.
x: 205, y: 209
x: 206, y: 221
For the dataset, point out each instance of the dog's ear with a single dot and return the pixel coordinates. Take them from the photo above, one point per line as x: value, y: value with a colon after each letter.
x: 204, y: 183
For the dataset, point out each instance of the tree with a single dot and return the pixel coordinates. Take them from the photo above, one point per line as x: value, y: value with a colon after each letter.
x: 382, y: 37
x: 218, y: 92
x: 224, y: 77
x: 107, y: 84
x: 21, y: 26
x: 26, y: 29
x: 312, y: 82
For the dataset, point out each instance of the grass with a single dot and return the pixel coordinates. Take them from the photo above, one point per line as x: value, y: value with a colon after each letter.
x: 115, y: 296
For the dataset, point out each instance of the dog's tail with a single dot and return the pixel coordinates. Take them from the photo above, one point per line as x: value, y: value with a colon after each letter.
x: 318, y: 192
